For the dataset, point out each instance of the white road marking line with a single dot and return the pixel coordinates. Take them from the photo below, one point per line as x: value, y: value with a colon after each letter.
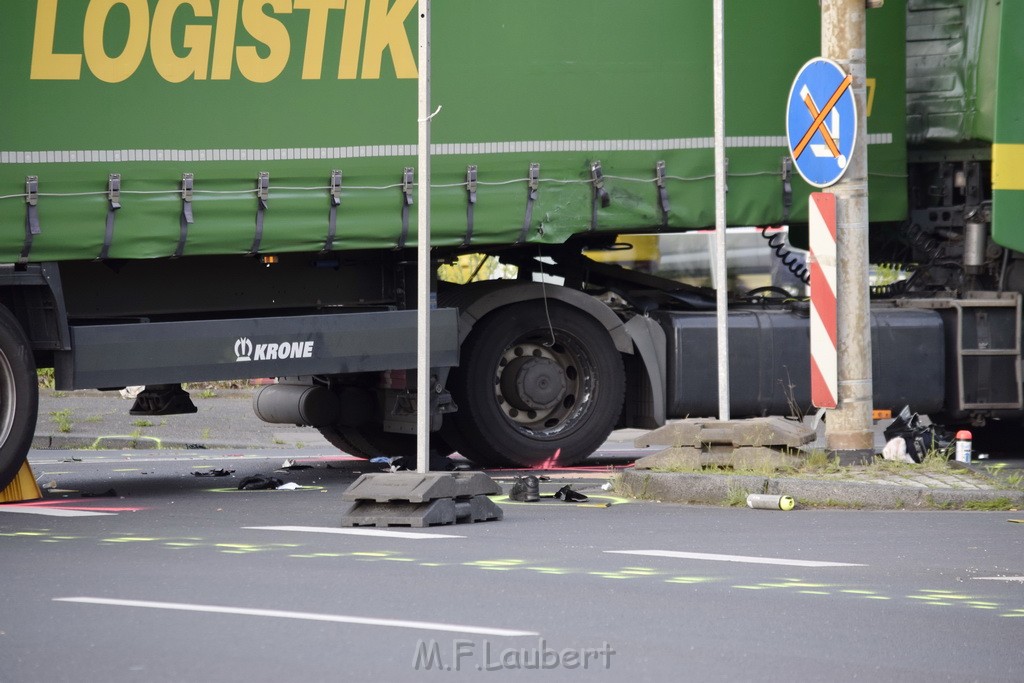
x: 308, y: 616
x: 354, y: 531
x: 735, y: 558
x: 52, y: 512
x: 999, y: 578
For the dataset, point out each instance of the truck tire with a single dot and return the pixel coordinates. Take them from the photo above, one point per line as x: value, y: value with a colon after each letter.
x: 370, y: 442
x: 534, y: 381
x: 373, y: 442
x: 19, y: 397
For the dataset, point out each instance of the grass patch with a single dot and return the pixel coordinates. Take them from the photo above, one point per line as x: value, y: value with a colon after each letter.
x: 62, y: 418
x: 819, y: 461
x: 737, y: 496
x: 1001, y: 503
x: 46, y: 378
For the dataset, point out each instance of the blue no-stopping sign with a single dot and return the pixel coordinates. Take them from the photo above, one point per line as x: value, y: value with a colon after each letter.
x: 821, y: 121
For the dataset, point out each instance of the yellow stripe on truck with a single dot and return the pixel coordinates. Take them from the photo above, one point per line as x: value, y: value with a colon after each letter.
x: 1007, y: 167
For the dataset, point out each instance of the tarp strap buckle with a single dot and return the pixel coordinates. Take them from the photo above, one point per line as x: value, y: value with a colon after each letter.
x: 407, y: 195
x: 659, y: 182
x: 332, y: 215
x: 787, y: 188
x: 31, y: 215
x: 114, y: 200
x: 601, y: 197
x: 532, y: 188
x: 471, y: 196
x: 187, y: 218
x: 263, y: 197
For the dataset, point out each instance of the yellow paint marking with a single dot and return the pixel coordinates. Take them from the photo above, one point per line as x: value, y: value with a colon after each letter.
x: 797, y: 584
x: 495, y: 563
x: 815, y: 592
x: 689, y: 579
x: 371, y: 554
x: 876, y: 597
x: 854, y: 591
x: 611, y: 500
x: 611, y: 575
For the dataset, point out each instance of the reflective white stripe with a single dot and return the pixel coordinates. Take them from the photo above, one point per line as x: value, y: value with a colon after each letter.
x: 734, y: 558
x: 52, y: 512
x: 999, y: 578
x: 308, y: 616
x: 355, y: 532
x: 386, y: 151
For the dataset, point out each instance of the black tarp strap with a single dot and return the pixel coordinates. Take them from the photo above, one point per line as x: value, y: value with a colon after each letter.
x: 263, y: 197
x: 532, y: 188
x: 601, y: 197
x: 31, y: 215
x: 186, y: 213
x: 114, y: 204
x: 332, y: 215
x: 407, y: 195
x: 471, y: 198
x: 787, y: 188
x: 659, y: 181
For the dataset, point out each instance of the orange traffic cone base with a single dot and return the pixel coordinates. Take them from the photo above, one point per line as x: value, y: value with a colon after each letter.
x: 23, y: 487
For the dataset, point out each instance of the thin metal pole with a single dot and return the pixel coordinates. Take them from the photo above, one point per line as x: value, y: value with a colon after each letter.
x: 423, y: 383
x: 721, y: 279
x: 849, y: 426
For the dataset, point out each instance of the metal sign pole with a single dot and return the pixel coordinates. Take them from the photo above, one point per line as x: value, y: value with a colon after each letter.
x: 721, y: 280
x: 849, y: 427
x: 423, y: 383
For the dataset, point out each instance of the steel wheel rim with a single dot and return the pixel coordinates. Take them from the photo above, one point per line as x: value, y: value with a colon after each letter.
x: 8, y: 399
x: 577, y: 369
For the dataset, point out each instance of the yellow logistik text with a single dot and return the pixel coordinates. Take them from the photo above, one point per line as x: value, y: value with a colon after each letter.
x: 210, y: 40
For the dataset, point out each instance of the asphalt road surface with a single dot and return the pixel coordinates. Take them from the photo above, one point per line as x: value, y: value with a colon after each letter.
x: 176, y: 577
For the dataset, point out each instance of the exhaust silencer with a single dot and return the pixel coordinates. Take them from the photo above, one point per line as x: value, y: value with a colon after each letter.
x: 297, y: 404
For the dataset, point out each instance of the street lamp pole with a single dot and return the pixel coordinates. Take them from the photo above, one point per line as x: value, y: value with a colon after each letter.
x: 849, y: 427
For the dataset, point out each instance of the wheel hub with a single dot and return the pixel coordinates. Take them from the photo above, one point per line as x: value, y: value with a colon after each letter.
x: 533, y: 383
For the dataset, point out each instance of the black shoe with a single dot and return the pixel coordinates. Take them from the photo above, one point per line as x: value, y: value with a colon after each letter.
x: 532, y: 492
x: 525, y: 490
x: 568, y: 495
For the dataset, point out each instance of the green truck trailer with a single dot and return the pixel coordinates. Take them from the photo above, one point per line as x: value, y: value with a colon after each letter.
x: 197, y: 190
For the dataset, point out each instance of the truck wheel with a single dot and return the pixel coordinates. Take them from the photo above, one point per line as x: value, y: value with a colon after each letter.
x: 19, y: 397
x: 533, y: 382
x: 369, y: 442
x: 373, y: 442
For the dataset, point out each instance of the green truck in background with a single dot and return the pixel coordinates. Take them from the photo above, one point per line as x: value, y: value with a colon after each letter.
x: 197, y: 190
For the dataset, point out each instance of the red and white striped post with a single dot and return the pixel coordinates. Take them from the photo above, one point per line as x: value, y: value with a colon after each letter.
x: 824, y: 334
